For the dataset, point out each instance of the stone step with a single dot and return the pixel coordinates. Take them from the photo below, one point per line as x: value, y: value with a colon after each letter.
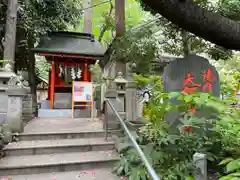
x: 96, y: 174
x: 48, y: 163
x: 66, y: 135
x: 58, y: 146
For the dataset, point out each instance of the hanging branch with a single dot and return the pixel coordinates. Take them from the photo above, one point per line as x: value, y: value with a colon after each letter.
x: 104, y: 27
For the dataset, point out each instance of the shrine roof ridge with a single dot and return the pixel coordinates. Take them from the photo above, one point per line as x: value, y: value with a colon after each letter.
x: 72, y: 43
x: 72, y: 34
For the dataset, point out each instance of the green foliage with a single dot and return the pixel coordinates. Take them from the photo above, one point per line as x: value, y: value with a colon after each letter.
x: 97, y: 79
x: 229, y: 74
x: 171, y: 153
x: 143, y: 81
x: 42, y: 67
x: 230, y: 9
x: 36, y: 18
x: 5, y: 134
x: 232, y: 169
x: 101, y: 18
x: 96, y: 73
x: 137, y: 47
x: 47, y: 15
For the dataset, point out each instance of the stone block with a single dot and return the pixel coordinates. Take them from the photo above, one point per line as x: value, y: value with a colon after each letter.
x: 63, y: 101
x: 3, y: 107
x: 195, y: 71
x: 27, y: 107
x: 190, y: 74
x: 3, y: 102
x: 3, y: 117
x: 200, y: 162
x: 45, y: 104
x: 14, y: 113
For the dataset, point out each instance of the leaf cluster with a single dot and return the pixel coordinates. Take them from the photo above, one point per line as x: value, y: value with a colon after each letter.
x: 170, y: 153
x: 229, y: 74
x: 143, y: 81
x: 36, y: 18
x: 138, y: 48
x: 232, y: 169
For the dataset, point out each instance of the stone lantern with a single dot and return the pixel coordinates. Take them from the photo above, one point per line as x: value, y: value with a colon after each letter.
x: 121, y: 91
x: 12, y: 92
x: 120, y: 82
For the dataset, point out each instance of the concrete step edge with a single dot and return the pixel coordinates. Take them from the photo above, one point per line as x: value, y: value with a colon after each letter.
x: 97, y: 174
x: 103, y: 157
x: 41, y: 144
x: 66, y: 132
x: 59, y: 164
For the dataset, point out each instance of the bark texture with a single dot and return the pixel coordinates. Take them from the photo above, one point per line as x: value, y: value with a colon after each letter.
x: 191, y: 17
x: 10, y: 33
x: 87, y: 27
x: 120, y: 31
x: 32, y: 72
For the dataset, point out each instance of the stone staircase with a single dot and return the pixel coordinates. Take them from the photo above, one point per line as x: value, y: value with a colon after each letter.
x: 60, y: 149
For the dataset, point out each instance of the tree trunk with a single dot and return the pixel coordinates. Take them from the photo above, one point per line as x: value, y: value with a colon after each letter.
x: 120, y: 31
x: 191, y: 17
x: 32, y: 72
x: 120, y: 17
x: 87, y: 26
x: 10, y: 33
x: 185, y: 42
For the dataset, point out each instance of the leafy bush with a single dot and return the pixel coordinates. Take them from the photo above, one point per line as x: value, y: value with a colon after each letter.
x: 213, y: 129
x: 143, y: 81
x: 232, y: 168
x: 6, y: 136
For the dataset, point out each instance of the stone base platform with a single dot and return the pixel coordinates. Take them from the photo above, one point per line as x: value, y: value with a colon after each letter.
x: 65, y: 113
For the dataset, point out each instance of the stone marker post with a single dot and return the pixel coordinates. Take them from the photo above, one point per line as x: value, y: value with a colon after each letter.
x: 200, y: 162
x: 14, y: 112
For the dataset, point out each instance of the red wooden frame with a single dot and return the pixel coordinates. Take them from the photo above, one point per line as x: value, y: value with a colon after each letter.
x: 52, y: 86
x: 53, y: 78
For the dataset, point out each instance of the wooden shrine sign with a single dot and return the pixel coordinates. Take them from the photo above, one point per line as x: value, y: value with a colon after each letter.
x: 190, y: 74
x: 82, y: 92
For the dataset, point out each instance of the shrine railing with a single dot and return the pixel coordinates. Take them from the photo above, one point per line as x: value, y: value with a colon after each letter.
x: 143, y: 158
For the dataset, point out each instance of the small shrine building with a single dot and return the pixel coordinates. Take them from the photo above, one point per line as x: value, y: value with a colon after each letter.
x: 69, y: 55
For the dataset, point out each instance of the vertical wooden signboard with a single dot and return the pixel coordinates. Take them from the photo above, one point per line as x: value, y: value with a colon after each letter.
x: 82, y: 92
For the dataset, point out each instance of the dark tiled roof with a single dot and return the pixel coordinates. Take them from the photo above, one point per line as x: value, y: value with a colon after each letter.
x: 71, y: 43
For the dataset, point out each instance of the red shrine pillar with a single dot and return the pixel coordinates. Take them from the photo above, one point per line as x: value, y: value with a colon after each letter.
x: 49, y: 84
x: 85, y: 71
x: 52, y: 85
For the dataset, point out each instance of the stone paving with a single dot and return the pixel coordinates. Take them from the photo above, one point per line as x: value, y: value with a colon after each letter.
x: 94, y: 174
x: 48, y: 125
